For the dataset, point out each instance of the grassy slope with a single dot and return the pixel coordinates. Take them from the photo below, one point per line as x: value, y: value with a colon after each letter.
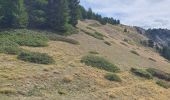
x: 34, y: 82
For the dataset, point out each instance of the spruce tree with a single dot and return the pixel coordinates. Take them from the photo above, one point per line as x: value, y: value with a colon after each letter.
x: 36, y: 12
x: 57, y: 12
x: 20, y: 14
x: 89, y: 13
x: 73, y: 11
x: 13, y: 14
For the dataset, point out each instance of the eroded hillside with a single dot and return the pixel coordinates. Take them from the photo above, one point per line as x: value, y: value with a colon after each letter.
x: 69, y: 79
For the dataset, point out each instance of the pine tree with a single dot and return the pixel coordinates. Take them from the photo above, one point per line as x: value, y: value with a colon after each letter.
x: 20, y: 14
x: 36, y: 12
x: 89, y: 14
x: 74, y: 11
x: 57, y: 12
x: 13, y: 14
x: 82, y: 13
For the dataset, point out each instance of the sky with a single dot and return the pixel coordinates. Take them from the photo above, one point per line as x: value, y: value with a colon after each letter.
x: 143, y: 13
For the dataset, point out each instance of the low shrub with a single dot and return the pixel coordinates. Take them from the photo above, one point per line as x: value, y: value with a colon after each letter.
x: 96, y: 35
x: 159, y: 74
x: 35, y: 57
x: 90, y: 28
x: 107, y: 43
x: 113, y: 77
x: 9, y: 47
x: 25, y: 37
x: 163, y: 84
x: 99, y: 62
x: 135, y: 52
x: 152, y: 59
x: 55, y: 37
x: 141, y: 73
x: 8, y: 91
x: 93, y: 52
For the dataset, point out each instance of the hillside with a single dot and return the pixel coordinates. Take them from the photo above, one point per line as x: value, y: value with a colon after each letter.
x: 69, y: 79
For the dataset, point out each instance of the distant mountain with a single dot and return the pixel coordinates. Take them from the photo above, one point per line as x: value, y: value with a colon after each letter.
x: 160, y: 36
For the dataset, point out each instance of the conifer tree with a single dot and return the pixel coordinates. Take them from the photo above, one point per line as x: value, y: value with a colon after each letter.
x: 13, y: 14
x: 36, y: 12
x: 57, y: 11
x: 73, y: 11
x: 20, y: 14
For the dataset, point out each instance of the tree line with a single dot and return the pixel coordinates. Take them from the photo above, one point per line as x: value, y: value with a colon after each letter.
x: 58, y: 15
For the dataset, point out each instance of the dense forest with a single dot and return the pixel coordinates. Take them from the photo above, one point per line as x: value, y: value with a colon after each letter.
x: 57, y: 15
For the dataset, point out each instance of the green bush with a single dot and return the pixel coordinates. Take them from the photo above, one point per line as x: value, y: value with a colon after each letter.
x: 90, y: 28
x: 113, y: 77
x: 9, y: 47
x: 55, y: 37
x: 93, y: 52
x: 35, y: 57
x: 141, y: 73
x: 163, y: 84
x: 96, y: 35
x: 99, y: 62
x: 107, y: 43
x: 159, y: 74
x: 135, y: 52
x: 25, y: 37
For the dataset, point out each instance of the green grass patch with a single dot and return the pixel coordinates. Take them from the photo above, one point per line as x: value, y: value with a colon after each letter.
x: 99, y: 62
x: 142, y: 73
x: 35, y: 57
x: 96, y: 35
x: 163, y: 84
x: 113, y: 77
x: 159, y: 74
x: 9, y: 47
x: 25, y: 37
x: 55, y: 37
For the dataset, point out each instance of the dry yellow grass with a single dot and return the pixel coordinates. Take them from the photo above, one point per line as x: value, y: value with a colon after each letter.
x: 84, y: 82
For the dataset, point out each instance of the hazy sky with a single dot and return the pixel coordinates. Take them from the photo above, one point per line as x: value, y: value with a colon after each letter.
x: 144, y: 13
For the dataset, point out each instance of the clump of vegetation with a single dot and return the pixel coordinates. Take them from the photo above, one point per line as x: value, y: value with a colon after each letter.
x: 107, y: 43
x: 67, y: 79
x: 129, y: 41
x: 35, y: 91
x: 35, y: 57
x: 90, y: 28
x: 9, y: 47
x: 135, y: 52
x: 152, y: 59
x: 123, y: 44
x: 99, y: 62
x: 141, y: 73
x: 25, y: 37
x: 8, y: 91
x: 55, y: 37
x: 125, y: 30
x: 159, y: 74
x: 165, y: 52
x: 163, y: 84
x: 96, y: 35
x: 113, y: 77
x: 93, y: 52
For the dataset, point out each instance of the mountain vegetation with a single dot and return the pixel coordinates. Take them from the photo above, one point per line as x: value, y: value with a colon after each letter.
x: 60, y: 15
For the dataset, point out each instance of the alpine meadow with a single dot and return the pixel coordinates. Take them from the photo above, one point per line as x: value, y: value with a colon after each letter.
x: 84, y: 50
